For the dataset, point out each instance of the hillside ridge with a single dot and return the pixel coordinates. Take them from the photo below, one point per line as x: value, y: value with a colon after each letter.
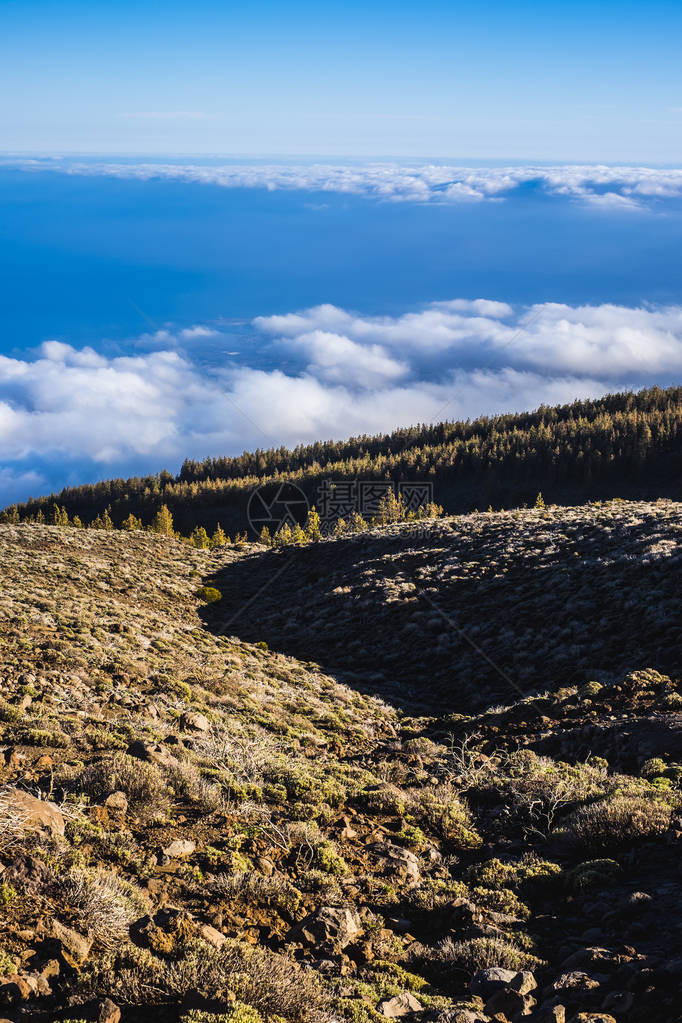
x: 622, y: 445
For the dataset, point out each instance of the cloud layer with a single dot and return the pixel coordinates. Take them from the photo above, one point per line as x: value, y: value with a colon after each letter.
x: 605, y: 186
x: 345, y: 374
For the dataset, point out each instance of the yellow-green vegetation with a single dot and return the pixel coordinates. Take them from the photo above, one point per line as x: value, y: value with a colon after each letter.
x: 227, y: 832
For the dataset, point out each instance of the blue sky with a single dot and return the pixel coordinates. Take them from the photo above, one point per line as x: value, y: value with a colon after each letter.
x: 523, y: 81
x: 225, y: 226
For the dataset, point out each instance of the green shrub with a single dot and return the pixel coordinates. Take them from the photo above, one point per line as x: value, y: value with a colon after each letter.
x: 593, y: 874
x: 650, y: 768
x: 209, y: 594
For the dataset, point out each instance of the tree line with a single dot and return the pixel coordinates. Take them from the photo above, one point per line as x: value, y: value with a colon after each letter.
x: 627, y: 444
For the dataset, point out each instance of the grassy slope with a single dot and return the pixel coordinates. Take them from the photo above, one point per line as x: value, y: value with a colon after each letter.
x: 295, y: 787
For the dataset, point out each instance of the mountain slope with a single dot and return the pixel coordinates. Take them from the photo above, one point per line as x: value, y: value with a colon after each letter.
x: 456, y: 612
x: 230, y: 834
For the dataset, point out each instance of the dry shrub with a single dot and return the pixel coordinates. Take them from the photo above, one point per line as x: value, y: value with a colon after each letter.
x: 12, y: 820
x: 621, y: 820
x: 482, y: 953
x: 255, y: 889
x: 143, y: 783
x: 188, y: 782
x: 104, y: 902
x: 273, y: 984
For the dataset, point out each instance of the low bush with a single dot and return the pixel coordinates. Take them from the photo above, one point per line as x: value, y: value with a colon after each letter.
x: 618, y: 821
x: 143, y: 783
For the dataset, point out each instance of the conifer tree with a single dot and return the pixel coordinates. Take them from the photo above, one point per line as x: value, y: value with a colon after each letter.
x: 162, y: 522
x: 219, y: 538
x: 312, y: 529
x: 298, y: 536
x: 199, y: 538
x: 265, y: 537
x: 283, y: 535
x: 130, y: 523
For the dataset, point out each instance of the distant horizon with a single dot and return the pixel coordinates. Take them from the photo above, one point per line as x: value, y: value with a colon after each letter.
x: 341, y: 159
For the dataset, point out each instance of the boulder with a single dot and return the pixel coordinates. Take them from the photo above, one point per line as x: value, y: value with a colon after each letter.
x: 403, y: 1004
x: 593, y: 1017
x: 575, y: 984
x: 15, y: 990
x: 509, y: 1003
x: 151, y: 753
x: 619, y: 1002
x: 551, y: 1012
x: 26, y: 813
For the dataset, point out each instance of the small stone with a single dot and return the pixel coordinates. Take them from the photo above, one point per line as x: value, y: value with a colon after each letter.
x: 180, y: 847
x: 108, y: 1012
x: 192, y: 722
x: 487, y: 982
x: 212, y: 935
x: 15, y: 990
x: 403, y: 1004
x: 331, y: 926
x: 75, y: 947
x: 117, y: 801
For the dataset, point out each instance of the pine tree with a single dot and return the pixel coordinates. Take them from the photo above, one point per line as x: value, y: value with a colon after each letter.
x: 199, y: 538
x: 283, y: 535
x: 298, y: 535
x: 265, y: 537
x: 312, y: 529
x: 539, y: 502
x: 162, y: 522
x: 219, y: 538
x: 77, y: 522
x: 58, y: 516
x: 356, y: 523
x: 106, y: 521
x: 131, y: 523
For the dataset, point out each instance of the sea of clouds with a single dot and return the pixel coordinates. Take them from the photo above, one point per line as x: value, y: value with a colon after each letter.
x: 606, y: 186
x: 334, y: 373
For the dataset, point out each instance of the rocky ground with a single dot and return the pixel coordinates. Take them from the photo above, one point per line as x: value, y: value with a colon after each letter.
x: 482, y: 821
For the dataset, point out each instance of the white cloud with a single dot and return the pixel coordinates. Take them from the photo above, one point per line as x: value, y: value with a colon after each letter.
x: 627, y: 188
x: 345, y: 374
